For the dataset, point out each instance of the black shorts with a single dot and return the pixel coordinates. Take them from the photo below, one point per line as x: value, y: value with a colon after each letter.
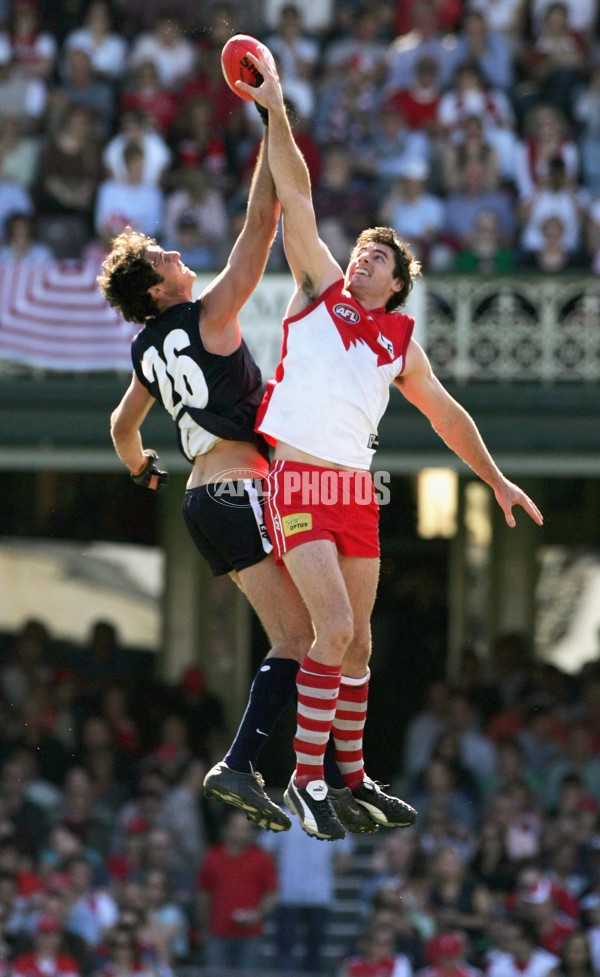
x: 226, y: 522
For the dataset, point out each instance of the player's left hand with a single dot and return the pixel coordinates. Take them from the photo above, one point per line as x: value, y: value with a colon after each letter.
x: 150, y: 476
x: 508, y: 495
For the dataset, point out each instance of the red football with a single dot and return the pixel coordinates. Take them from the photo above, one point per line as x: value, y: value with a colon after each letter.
x: 236, y: 64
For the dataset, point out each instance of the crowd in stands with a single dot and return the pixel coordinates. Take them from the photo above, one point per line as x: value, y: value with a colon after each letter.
x: 112, y: 863
x: 471, y: 126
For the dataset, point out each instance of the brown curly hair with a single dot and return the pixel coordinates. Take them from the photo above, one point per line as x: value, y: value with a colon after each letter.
x: 406, y: 266
x: 127, y: 275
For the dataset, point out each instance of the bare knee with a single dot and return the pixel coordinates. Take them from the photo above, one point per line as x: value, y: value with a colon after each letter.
x: 358, y: 653
x: 334, y: 636
x: 293, y: 645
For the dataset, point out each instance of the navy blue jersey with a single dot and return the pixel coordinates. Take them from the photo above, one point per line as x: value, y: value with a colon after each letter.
x: 210, y: 397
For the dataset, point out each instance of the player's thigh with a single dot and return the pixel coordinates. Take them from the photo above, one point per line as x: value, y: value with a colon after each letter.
x: 361, y: 577
x: 315, y: 569
x: 278, y: 606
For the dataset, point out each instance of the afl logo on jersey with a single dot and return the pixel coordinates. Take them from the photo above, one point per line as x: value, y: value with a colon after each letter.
x: 346, y: 312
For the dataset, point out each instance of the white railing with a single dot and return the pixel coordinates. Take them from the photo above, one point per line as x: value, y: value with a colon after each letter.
x: 520, y: 328
x: 504, y: 329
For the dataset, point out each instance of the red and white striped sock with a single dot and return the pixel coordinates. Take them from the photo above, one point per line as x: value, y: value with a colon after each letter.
x: 318, y: 687
x: 348, y: 727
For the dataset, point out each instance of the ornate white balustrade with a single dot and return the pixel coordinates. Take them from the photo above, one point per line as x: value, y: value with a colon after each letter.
x: 509, y: 329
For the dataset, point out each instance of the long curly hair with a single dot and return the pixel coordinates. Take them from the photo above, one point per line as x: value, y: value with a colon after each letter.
x: 127, y: 275
x: 406, y: 266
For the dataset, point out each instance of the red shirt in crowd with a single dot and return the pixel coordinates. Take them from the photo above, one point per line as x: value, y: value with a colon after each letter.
x: 234, y: 882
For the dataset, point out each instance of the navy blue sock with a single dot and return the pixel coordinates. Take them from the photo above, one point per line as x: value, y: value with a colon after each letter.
x: 273, y: 688
x: 333, y: 776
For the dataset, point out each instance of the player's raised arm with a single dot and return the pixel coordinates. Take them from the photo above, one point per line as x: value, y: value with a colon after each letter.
x: 310, y: 261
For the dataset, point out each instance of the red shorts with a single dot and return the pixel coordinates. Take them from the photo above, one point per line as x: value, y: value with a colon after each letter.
x: 307, y: 502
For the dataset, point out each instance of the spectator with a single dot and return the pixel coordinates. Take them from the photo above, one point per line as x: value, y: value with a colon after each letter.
x: 107, y: 50
x: 27, y: 663
x: 81, y: 87
x: 575, y: 959
x: 586, y: 113
x: 362, y: 50
x: 144, y: 93
x: 491, y: 866
x: 93, y: 910
x: 306, y: 876
x: 166, y: 45
x: 24, y: 97
x: 25, y: 822
x: 581, y: 14
x: 475, y: 195
x: 551, y: 927
x: 165, y: 915
x: 415, y: 214
x: 199, y: 205
x: 236, y: 894
x: 477, y: 751
x: 377, y: 955
x: 204, y: 714
x: 423, y: 730
x: 391, y: 871
x: 20, y: 242
x: 124, y: 958
x: 199, y: 143
x: 470, y: 141
x: 540, y: 737
x: 469, y: 96
x: 18, y: 152
x: 33, y: 734
x: 46, y: 956
x: 510, y: 767
x: 546, y: 137
x: 425, y: 37
x: 388, y: 149
x: 446, y: 955
x: 163, y: 852
x: 505, y: 17
x: 556, y: 61
x: 480, y: 45
x: 419, y: 102
x: 317, y: 18
x: 457, y: 899
x: 484, y: 253
x: 83, y: 813
x: 134, y: 127
x: 524, y: 956
x: 34, y: 50
x: 552, y: 253
x: 129, y: 202
x: 297, y: 53
x: 343, y: 202
x: 69, y: 169
x: 439, y: 793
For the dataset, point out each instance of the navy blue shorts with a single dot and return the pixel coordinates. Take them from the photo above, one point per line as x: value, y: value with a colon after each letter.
x: 226, y: 522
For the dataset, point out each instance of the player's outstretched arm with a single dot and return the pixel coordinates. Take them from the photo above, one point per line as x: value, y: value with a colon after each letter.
x: 457, y: 428
x: 310, y: 261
